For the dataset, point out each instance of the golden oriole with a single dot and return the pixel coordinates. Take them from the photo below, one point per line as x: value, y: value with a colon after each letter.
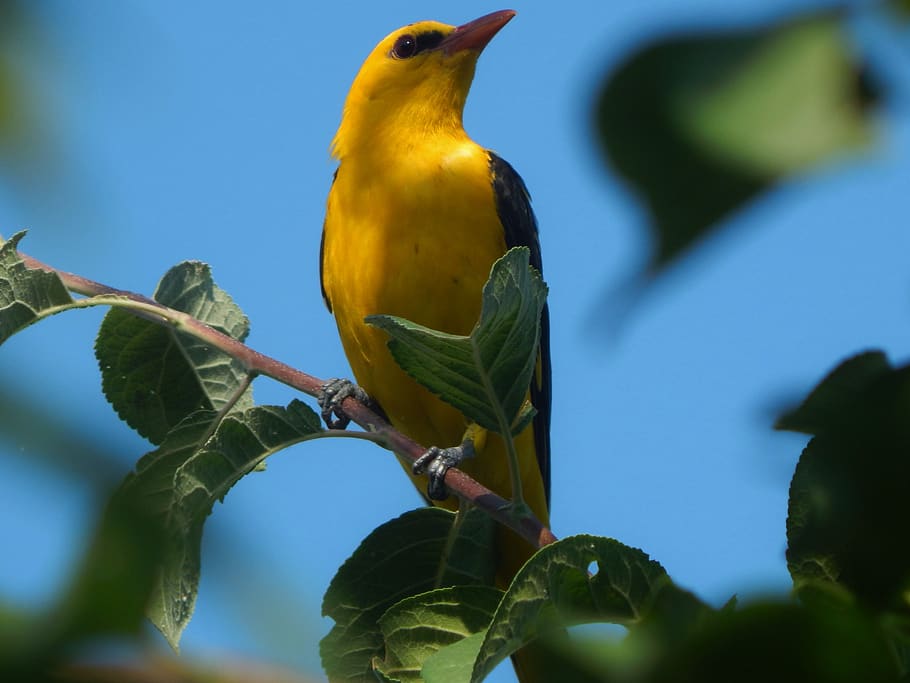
x: 416, y: 216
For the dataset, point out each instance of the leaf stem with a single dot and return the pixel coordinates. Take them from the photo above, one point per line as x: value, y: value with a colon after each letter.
x: 505, y: 431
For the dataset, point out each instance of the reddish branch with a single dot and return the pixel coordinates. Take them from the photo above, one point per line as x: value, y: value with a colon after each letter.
x: 458, y: 483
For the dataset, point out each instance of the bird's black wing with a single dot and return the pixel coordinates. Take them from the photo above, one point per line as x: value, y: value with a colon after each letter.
x: 325, y: 296
x: 513, y: 204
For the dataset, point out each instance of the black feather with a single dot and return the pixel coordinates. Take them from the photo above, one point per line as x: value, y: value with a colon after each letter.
x: 513, y: 204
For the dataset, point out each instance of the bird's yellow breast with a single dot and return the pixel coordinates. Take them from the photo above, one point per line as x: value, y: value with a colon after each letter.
x: 414, y: 236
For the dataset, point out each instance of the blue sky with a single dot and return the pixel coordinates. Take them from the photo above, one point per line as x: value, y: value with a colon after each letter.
x: 201, y: 130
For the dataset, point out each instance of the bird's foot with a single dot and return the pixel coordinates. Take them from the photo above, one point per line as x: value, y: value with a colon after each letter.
x: 436, y: 462
x: 332, y: 395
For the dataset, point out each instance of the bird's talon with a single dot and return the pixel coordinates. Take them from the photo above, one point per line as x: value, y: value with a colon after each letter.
x: 333, y: 393
x: 436, y: 462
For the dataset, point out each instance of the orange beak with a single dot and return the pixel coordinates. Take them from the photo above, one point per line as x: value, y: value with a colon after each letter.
x: 476, y: 34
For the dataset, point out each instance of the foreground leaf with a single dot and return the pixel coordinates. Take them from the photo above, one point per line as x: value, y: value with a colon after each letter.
x: 26, y: 294
x: 699, y: 125
x: 777, y: 642
x: 107, y: 598
x: 154, y: 376
x: 193, y: 468
x: 407, y: 556
x: 553, y: 590
x: 842, y: 395
x: 485, y: 375
x: 850, y: 496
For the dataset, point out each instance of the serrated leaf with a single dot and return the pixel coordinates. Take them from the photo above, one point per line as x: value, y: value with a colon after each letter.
x: 192, y: 469
x: 485, y: 375
x: 554, y: 590
x: 154, y: 376
x: 700, y: 124
x: 26, y: 294
x: 407, y: 556
x: 418, y: 627
x: 849, y: 507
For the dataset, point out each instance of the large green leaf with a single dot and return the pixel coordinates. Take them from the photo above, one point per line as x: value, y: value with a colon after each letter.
x: 196, y: 465
x: 485, y: 375
x: 420, y: 551
x: 849, y: 507
x: 700, y: 124
x: 155, y: 375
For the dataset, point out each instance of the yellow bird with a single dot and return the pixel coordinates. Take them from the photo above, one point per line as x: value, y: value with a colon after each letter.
x: 416, y: 216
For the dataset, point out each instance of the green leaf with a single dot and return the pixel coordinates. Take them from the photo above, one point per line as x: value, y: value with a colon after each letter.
x: 107, y: 597
x: 485, y: 375
x: 554, y: 590
x: 849, y: 510
x: 822, y: 643
x: 838, y: 396
x: 154, y: 376
x: 26, y: 294
x: 700, y: 124
x: 193, y: 468
x: 420, y: 626
x: 671, y: 617
x: 422, y: 550
x: 455, y: 662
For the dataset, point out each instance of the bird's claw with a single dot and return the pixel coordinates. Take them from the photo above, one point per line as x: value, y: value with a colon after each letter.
x: 332, y: 395
x: 436, y: 462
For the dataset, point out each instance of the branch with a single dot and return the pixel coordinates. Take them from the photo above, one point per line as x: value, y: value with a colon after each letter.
x: 457, y: 482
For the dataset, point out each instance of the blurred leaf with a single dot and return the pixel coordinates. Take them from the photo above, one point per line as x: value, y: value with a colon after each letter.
x: 182, y: 479
x: 840, y: 395
x: 901, y: 7
x: 420, y: 626
x: 407, y: 556
x: 554, y: 590
x: 699, y: 125
x: 850, y: 496
x: 487, y: 374
x: 107, y: 598
x: 154, y: 376
x: 672, y: 616
x: 778, y: 642
x: 17, y: 116
x: 40, y: 432
x: 26, y: 294
x: 167, y: 670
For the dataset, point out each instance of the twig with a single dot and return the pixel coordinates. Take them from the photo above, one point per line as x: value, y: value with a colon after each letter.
x: 458, y: 483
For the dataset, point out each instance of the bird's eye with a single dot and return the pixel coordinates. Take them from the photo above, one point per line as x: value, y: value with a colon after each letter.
x: 405, y: 46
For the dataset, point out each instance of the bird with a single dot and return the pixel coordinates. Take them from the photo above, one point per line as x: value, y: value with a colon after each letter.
x: 416, y: 215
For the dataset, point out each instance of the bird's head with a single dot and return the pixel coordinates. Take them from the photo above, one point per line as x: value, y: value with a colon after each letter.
x: 414, y: 83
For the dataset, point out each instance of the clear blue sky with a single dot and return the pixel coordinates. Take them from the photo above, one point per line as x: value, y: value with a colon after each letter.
x: 201, y: 130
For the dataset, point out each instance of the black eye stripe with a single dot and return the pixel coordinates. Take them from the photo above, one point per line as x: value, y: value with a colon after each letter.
x: 409, y: 45
x: 429, y: 40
